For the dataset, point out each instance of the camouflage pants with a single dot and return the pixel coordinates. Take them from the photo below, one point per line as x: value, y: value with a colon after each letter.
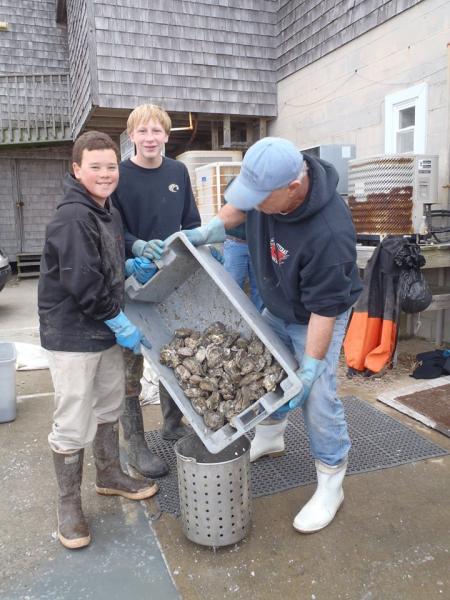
x: 134, y: 370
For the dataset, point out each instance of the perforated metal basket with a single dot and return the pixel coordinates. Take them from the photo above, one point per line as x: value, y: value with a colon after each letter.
x: 215, y: 491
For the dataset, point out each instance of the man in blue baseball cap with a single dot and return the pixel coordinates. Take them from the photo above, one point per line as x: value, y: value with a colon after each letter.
x: 303, y: 247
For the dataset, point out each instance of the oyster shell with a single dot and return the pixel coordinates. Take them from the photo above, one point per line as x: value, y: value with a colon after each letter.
x: 255, y: 346
x: 182, y: 373
x: 200, y: 355
x: 194, y: 392
x: 185, y: 351
x: 217, y: 327
x: 213, y: 419
x: 214, y: 356
x: 192, y: 342
x: 194, y: 366
x: 183, y: 332
x: 209, y: 384
x: 169, y: 356
x: 247, y: 365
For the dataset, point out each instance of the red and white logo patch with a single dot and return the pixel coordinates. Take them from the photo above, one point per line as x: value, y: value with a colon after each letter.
x: 277, y: 252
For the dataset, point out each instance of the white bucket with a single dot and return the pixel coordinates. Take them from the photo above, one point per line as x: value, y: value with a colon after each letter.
x: 7, y: 382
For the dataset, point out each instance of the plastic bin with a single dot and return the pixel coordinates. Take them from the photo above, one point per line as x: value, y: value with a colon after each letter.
x: 193, y: 290
x: 7, y: 382
x: 215, y: 491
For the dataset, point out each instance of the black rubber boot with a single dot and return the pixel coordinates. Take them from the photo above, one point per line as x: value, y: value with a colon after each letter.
x: 73, y: 530
x: 139, y: 456
x: 172, y: 415
x: 111, y: 480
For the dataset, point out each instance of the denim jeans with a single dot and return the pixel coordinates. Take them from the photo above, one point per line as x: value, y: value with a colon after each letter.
x: 323, y: 411
x: 239, y: 266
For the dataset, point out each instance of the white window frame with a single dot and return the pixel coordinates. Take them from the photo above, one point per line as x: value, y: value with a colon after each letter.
x: 414, y: 96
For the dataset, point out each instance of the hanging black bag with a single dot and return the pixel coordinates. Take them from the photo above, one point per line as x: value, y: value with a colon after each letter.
x: 413, y: 290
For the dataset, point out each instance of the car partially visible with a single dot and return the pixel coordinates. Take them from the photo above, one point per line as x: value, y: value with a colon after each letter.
x: 5, y: 269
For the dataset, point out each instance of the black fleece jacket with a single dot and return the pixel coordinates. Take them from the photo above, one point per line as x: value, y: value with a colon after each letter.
x: 305, y: 262
x: 82, y: 273
x: 154, y: 203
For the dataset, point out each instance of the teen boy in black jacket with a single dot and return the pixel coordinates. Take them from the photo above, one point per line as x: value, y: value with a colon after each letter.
x: 80, y: 300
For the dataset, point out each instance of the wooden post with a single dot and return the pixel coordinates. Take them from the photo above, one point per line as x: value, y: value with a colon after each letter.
x: 214, y: 135
x: 262, y: 128
x: 226, y: 131
x: 249, y: 134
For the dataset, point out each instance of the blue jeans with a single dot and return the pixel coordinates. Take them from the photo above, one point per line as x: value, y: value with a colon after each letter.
x: 239, y: 266
x: 323, y: 411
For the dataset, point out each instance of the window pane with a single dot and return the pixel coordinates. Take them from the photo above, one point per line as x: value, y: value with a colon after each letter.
x: 405, y: 141
x: 407, y: 117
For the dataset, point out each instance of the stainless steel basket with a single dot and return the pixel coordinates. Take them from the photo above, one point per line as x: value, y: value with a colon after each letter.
x: 215, y: 491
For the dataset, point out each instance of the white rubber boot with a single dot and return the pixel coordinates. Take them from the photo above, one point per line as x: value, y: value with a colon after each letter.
x: 328, y: 497
x: 268, y: 440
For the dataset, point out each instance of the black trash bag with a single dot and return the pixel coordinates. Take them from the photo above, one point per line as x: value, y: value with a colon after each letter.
x: 414, y: 292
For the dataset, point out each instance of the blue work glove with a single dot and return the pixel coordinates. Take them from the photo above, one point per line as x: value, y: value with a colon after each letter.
x: 153, y: 249
x: 212, y: 233
x: 310, y: 370
x: 217, y: 255
x: 127, y: 334
x: 142, y: 269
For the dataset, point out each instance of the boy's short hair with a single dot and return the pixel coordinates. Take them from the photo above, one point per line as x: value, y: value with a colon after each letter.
x: 145, y: 112
x: 93, y: 140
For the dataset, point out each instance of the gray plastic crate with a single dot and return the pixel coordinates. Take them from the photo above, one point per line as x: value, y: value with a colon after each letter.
x: 193, y: 290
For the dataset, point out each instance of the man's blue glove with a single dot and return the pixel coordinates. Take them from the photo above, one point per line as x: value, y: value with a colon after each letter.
x: 153, y: 249
x: 212, y: 233
x: 142, y: 269
x: 217, y: 255
x: 127, y: 334
x: 310, y: 370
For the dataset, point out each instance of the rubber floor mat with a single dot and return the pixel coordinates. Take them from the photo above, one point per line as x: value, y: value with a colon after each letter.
x: 378, y: 442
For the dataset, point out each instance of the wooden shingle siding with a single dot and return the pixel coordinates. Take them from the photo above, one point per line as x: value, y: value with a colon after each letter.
x: 32, y: 176
x: 187, y: 55
x: 82, y: 61
x: 310, y: 29
x: 34, y: 67
x: 34, y: 42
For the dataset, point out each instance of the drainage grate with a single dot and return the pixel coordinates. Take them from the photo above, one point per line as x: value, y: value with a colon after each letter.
x: 378, y: 442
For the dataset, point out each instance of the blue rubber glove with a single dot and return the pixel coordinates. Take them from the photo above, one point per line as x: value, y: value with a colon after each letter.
x: 127, y: 334
x: 153, y: 249
x: 310, y: 370
x: 217, y: 255
x: 142, y: 269
x: 212, y: 233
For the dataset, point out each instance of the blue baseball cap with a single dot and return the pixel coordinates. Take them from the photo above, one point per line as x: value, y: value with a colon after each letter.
x: 270, y: 164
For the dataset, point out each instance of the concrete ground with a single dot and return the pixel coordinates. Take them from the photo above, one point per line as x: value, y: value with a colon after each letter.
x: 390, y: 540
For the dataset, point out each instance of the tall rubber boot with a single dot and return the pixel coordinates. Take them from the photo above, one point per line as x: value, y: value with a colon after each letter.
x: 324, y: 504
x: 73, y: 530
x: 269, y: 439
x: 111, y: 480
x: 139, y: 455
x: 172, y: 415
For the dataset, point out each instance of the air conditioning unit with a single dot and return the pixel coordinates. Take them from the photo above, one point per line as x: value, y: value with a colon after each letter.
x: 338, y: 155
x: 193, y: 159
x: 387, y: 194
x: 211, y: 181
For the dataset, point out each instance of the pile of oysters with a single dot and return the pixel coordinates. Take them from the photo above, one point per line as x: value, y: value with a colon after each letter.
x: 221, y: 372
